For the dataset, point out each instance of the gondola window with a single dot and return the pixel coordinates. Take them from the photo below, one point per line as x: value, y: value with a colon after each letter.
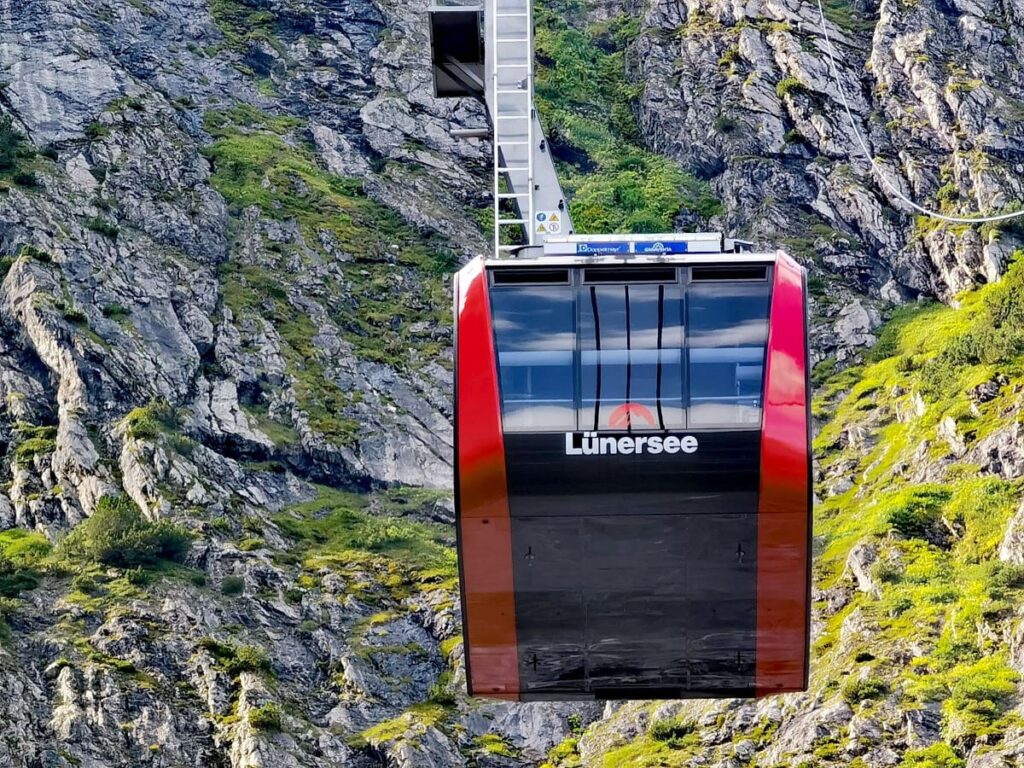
x: 631, y: 343
x: 535, y: 328
x: 727, y: 337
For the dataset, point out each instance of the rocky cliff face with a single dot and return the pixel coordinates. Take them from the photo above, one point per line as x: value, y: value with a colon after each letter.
x: 744, y: 96
x: 225, y: 227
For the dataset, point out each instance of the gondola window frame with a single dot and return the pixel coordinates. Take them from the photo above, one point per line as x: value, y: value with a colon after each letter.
x: 580, y: 290
x: 744, y: 275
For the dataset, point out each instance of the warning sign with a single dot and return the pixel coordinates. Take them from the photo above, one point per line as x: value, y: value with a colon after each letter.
x: 549, y: 223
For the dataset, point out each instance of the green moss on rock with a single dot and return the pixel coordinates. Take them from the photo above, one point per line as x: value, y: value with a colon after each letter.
x: 938, y: 578
x: 266, y: 717
x: 588, y: 104
x: 118, y: 535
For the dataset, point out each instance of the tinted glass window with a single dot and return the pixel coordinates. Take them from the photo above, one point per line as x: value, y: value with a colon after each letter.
x: 614, y: 356
x: 631, y: 372
x: 728, y: 333
x: 535, y: 328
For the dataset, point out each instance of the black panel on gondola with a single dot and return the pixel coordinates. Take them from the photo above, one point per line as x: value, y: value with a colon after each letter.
x: 632, y: 572
x: 630, y: 275
x: 756, y: 272
x: 531, y: 277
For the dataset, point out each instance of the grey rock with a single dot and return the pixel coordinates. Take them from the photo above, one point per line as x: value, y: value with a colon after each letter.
x: 882, y: 757
x: 799, y: 731
x: 858, y: 565
x: 538, y: 729
x: 1011, y: 548
x: 855, y: 324
x: 744, y: 750
x: 1001, y: 453
x: 949, y: 432
x: 922, y: 726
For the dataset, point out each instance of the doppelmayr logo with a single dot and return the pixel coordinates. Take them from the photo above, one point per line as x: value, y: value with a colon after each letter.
x: 624, y: 417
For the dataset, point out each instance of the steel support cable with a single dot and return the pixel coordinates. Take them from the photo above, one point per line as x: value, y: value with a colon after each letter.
x: 874, y: 163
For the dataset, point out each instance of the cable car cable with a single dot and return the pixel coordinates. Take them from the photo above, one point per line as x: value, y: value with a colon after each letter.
x: 874, y: 163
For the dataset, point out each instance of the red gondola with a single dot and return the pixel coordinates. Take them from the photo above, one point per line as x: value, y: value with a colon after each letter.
x: 633, y: 471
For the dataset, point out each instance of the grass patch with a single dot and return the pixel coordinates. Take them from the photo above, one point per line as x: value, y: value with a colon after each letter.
x: 254, y: 165
x: 232, y: 585
x: 20, y: 163
x: 266, y: 718
x: 279, y: 433
x: 338, y: 522
x: 75, y: 316
x: 856, y: 691
x: 416, y: 719
x: 588, y: 104
x: 24, y: 548
x: 564, y: 755
x: 103, y: 227
x: 23, y: 556
x: 118, y: 535
x: 96, y: 130
x: 243, y: 24
x: 674, y: 732
x: 936, y: 756
x: 449, y: 645
x: 115, y: 311
x: 323, y: 401
x: 843, y: 14
x: 989, y: 331
x: 235, y: 659
x: 32, y: 447
x: 12, y: 145
x: 975, y: 696
x: 493, y: 744
x: 915, y: 512
x: 15, y: 152
x: 151, y: 420
x: 789, y: 86
x: 31, y: 441
x: 31, y: 252
x: 25, y: 179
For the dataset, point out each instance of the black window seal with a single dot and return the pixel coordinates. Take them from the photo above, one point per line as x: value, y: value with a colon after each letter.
x: 644, y: 274
x: 729, y: 273
x: 517, y: 276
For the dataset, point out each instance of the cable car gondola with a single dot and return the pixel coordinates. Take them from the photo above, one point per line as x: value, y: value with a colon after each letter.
x: 633, y: 470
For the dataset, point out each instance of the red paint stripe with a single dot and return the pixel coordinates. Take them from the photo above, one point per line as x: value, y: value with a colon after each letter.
x: 783, y: 533
x: 485, y: 534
